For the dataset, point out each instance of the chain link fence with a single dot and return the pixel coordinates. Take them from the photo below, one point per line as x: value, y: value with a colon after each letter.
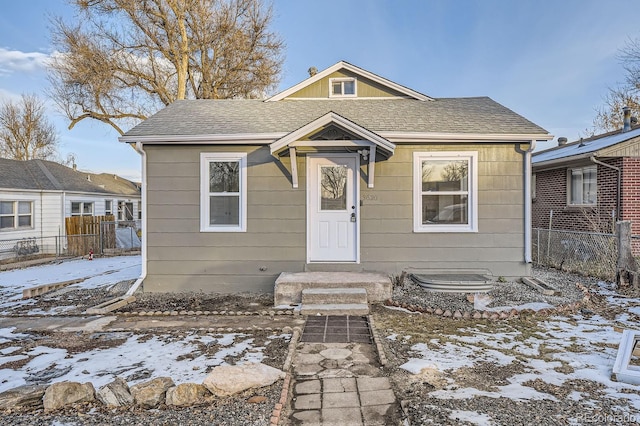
x: 587, y: 253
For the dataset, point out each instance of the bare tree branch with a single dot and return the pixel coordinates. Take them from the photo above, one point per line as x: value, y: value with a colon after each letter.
x: 609, y: 116
x: 128, y: 58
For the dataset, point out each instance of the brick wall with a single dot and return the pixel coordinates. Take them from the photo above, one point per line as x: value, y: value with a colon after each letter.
x: 631, y: 197
x: 551, y: 194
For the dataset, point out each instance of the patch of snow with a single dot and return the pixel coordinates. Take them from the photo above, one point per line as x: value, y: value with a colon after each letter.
x: 536, y: 306
x: 9, y: 350
x: 416, y: 365
x: 471, y: 417
x: 159, y: 356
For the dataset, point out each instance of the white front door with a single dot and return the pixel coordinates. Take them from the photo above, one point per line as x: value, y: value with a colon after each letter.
x: 332, y: 208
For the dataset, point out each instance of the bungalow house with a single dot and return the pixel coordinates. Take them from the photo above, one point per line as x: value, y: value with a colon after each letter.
x: 345, y: 171
x: 589, y: 184
x: 37, y: 195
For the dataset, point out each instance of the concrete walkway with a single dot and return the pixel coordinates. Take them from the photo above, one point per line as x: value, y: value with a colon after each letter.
x: 340, y: 384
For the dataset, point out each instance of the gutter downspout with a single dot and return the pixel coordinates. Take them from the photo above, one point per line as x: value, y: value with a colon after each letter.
x: 139, y: 148
x: 527, y: 202
x: 618, y: 189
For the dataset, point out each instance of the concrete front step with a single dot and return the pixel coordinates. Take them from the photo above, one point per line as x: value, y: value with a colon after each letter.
x: 289, y: 286
x: 335, y: 309
x: 316, y: 296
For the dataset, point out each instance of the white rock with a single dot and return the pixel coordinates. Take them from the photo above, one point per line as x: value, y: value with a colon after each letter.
x: 230, y: 379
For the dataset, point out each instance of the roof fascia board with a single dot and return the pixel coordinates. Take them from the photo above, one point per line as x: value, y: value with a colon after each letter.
x: 356, y: 70
x: 457, y: 137
x: 332, y: 117
x: 238, y: 138
x: 268, y: 138
x: 558, y: 162
x: 60, y: 191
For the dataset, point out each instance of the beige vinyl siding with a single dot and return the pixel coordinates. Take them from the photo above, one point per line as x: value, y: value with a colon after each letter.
x: 366, y: 88
x: 181, y: 258
x: 630, y: 148
x: 387, y: 239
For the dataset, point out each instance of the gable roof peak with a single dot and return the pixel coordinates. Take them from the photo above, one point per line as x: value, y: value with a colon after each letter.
x: 340, y: 65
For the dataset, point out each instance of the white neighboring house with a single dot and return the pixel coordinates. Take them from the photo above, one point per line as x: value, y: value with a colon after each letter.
x: 37, y: 195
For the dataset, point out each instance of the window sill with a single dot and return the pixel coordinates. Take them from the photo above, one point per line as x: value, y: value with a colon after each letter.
x: 223, y: 229
x: 444, y: 229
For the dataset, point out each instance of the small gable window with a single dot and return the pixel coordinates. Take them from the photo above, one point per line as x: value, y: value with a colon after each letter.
x: 342, y: 87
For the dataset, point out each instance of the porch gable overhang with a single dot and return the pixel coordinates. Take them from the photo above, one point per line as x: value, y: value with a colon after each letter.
x: 369, y: 140
x: 293, y: 138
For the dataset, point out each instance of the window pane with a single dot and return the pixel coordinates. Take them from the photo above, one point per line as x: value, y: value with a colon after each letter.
x: 576, y: 186
x: 445, y: 209
x: 445, y: 175
x: 224, y: 176
x: 87, y: 209
x: 337, y: 88
x: 75, y: 208
x: 333, y: 188
x: 224, y: 210
x: 6, y: 207
x: 589, y: 188
x: 24, y: 220
x: 349, y: 88
x: 24, y: 207
x: 6, y: 222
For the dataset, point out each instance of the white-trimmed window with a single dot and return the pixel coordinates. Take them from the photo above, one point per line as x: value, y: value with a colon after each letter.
x: 108, y: 207
x: 342, y: 87
x: 223, y: 192
x: 16, y: 214
x: 81, y: 208
x: 582, y: 186
x: 445, y: 187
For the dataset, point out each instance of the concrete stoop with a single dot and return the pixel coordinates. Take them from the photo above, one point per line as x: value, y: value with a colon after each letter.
x: 289, y: 286
x: 334, y: 301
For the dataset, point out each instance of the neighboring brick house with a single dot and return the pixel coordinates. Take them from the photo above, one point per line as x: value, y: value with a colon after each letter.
x: 588, y: 185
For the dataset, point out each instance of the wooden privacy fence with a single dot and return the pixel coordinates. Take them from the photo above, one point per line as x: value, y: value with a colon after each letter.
x: 83, y: 234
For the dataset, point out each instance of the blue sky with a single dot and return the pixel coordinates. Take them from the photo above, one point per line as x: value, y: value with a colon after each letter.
x: 550, y: 61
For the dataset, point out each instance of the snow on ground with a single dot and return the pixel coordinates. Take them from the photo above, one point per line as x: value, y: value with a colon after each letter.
x: 142, y: 356
x: 135, y: 357
x: 588, y: 346
x: 100, y: 272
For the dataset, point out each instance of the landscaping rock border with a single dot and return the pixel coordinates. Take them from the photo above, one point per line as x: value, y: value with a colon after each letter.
x: 566, y: 308
x: 149, y: 394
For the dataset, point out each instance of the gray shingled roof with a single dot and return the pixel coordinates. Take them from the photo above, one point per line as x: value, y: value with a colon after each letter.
x: 227, y: 117
x: 50, y: 176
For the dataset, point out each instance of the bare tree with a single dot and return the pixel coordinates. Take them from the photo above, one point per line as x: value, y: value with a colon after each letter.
x: 609, y: 116
x: 25, y: 132
x: 127, y: 58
